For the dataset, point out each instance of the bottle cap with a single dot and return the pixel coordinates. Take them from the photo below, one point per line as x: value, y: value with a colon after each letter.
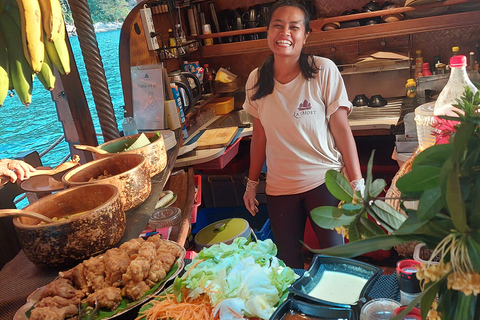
x: 407, y: 275
x: 458, y: 61
x: 426, y: 65
x: 206, y: 65
x: 455, y: 49
x: 418, y: 51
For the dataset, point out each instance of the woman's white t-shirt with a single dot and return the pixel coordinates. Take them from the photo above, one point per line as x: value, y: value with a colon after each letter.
x: 300, y: 148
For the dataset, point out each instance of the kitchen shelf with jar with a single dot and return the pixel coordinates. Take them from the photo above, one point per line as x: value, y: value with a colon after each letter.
x: 176, y: 52
x: 381, y: 30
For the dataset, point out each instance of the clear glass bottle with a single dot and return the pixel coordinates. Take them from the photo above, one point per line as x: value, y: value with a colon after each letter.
x: 129, y: 125
x: 454, y: 88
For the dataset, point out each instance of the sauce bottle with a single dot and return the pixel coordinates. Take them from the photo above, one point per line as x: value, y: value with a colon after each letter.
x: 418, y: 64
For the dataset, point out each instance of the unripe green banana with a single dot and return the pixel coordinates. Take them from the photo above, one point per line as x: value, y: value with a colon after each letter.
x: 46, y: 75
x: 20, y: 71
x: 62, y: 51
x: 53, y: 55
x: 52, y: 18
x: 4, y: 80
x: 32, y: 32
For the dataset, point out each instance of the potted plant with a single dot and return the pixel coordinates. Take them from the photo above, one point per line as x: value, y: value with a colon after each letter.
x: 445, y: 179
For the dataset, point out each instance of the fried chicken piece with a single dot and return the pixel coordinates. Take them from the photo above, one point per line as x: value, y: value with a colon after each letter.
x: 94, y: 272
x: 157, y: 239
x: 116, y: 262
x: 57, y: 302
x: 168, y: 246
x: 77, y: 276
x: 157, y: 273
x: 108, y: 297
x: 131, y: 247
x: 135, y: 290
x: 166, y: 258
x: 148, y: 250
x: 63, y: 288
x: 52, y: 313
x: 137, y: 271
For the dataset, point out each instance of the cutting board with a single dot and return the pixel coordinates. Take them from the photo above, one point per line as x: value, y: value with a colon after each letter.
x: 216, y: 138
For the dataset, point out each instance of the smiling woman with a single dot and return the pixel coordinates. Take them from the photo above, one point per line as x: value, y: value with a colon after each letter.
x: 299, y: 105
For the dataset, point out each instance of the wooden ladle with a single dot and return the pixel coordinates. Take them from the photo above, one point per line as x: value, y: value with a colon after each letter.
x: 90, y: 148
x: 53, y: 172
x: 23, y: 213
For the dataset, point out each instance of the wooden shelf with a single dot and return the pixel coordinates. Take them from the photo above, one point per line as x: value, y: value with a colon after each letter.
x: 382, y: 30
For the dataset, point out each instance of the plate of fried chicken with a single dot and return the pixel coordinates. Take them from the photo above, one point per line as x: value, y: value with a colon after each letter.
x: 116, y: 281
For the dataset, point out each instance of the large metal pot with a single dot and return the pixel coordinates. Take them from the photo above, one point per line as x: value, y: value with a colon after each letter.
x: 155, y: 153
x: 96, y: 223
x: 128, y: 172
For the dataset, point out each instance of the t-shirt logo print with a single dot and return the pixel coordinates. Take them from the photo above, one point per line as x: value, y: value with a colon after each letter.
x: 304, y: 109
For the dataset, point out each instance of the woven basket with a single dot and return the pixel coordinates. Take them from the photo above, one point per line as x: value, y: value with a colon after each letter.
x: 393, y: 199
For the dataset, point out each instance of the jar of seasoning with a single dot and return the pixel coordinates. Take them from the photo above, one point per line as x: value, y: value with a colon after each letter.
x: 410, y: 88
x: 441, y: 68
x: 163, y: 219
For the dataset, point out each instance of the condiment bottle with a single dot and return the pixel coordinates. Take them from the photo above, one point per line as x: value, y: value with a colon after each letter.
x: 407, y: 280
x: 208, y: 79
x: 207, y: 29
x: 454, y: 88
x: 129, y: 125
x: 410, y: 88
x: 426, y: 69
x: 172, y: 42
x: 418, y: 64
x: 455, y: 50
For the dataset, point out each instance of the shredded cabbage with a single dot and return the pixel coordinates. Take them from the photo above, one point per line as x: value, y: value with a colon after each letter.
x: 241, y: 279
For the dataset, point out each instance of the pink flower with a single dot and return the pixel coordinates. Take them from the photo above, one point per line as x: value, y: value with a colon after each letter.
x: 443, y: 130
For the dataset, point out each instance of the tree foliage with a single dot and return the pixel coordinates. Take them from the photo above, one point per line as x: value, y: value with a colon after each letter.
x: 102, y: 10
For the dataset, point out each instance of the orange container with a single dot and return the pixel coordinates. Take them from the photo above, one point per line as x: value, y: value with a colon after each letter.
x: 221, y: 105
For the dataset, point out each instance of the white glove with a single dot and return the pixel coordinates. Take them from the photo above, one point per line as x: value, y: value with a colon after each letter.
x: 358, y: 185
x: 249, y: 199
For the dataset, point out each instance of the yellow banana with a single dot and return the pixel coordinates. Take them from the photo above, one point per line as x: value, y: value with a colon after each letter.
x: 62, y: 52
x: 52, y: 18
x: 19, y: 68
x: 46, y: 75
x: 32, y: 32
x: 4, y: 80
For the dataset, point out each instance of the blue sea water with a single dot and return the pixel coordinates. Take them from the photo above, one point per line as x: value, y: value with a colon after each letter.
x: 37, y: 127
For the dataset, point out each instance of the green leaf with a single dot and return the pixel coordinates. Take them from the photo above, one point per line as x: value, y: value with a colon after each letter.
x: 368, y: 180
x: 370, y: 228
x: 467, y: 167
x: 420, y: 179
x: 331, y: 217
x: 433, y: 156
x: 475, y: 206
x: 353, y: 232
x: 351, y: 207
x: 431, y: 202
x: 338, y: 185
x: 455, y: 203
x: 410, y: 225
x: 447, y: 168
x: 460, y: 140
x: 388, y: 215
x: 357, y: 248
x: 372, y: 211
x: 465, y: 306
x: 377, y: 187
x: 429, y: 294
x: 474, y: 253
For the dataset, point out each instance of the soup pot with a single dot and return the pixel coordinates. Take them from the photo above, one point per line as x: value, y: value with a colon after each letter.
x: 189, y: 87
x: 93, y: 221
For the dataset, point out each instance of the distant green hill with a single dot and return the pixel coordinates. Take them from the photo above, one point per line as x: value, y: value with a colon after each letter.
x: 102, y: 10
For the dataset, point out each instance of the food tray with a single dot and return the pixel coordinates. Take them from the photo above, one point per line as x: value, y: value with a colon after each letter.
x: 126, y: 305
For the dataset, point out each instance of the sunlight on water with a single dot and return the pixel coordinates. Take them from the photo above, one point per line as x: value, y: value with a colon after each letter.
x: 37, y: 127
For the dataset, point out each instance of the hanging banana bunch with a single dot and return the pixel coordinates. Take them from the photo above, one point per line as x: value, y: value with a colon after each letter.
x: 32, y: 42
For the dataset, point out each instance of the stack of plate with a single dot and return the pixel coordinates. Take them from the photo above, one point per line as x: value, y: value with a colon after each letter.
x: 420, y: 13
x: 168, y: 138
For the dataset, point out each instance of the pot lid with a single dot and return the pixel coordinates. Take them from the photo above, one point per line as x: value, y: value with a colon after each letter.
x: 222, y: 231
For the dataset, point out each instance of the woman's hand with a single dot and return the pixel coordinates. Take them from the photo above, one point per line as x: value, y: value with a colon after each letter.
x: 249, y: 199
x: 15, y: 169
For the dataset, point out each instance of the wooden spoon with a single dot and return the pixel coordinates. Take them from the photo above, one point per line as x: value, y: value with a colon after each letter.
x: 60, y: 168
x: 90, y: 148
x: 23, y: 213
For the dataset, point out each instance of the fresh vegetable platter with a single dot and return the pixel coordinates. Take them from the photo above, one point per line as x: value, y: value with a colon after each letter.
x: 243, y: 280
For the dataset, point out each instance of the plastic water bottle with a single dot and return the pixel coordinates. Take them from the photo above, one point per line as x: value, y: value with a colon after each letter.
x: 455, y: 87
x: 129, y: 125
